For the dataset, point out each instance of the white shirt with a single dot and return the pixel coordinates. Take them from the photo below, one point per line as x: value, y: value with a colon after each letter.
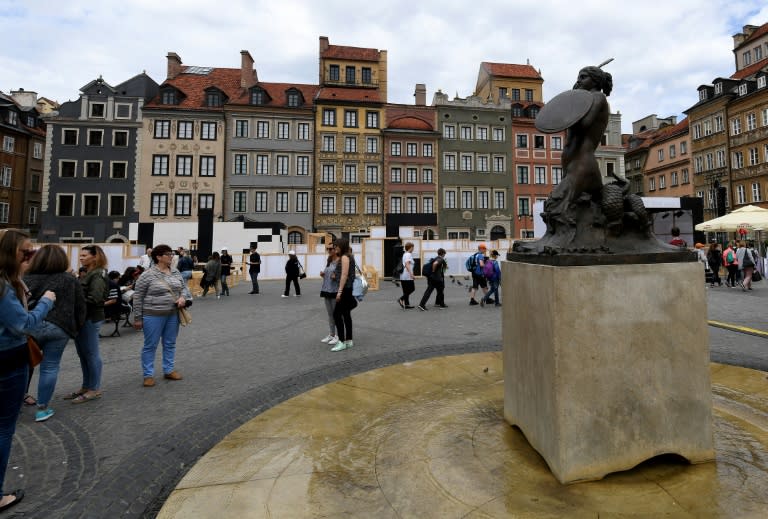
x: 407, y: 258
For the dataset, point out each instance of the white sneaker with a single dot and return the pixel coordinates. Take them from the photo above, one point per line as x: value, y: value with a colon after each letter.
x: 349, y: 343
x: 326, y: 338
x: 283, y: 295
x: 340, y: 346
x: 333, y: 340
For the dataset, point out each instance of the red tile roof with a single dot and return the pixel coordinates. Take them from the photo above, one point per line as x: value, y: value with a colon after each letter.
x: 510, y: 70
x: 410, y: 123
x: 349, y: 94
x: 763, y: 29
x: 750, y: 70
x: 278, y: 93
x: 350, y: 53
x: 193, y: 87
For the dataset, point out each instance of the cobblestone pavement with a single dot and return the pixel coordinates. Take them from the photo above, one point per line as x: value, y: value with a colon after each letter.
x: 121, y: 455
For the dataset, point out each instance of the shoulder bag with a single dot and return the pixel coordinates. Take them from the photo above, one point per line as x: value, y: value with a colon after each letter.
x: 185, y: 316
x: 359, y: 285
x: 35, y: 353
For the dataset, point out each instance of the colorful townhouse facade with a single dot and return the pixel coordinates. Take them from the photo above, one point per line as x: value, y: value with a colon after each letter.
x: 667, y: 168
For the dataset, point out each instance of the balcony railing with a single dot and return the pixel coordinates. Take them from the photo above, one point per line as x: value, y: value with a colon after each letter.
x: 357, y: 83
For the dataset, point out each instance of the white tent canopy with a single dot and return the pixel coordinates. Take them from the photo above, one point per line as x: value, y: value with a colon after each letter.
x: 749, y: 217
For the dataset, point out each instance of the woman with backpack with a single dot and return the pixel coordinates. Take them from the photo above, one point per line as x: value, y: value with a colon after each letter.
x: 731, y: 263
x: 746, y: 265
x: 492, y: 273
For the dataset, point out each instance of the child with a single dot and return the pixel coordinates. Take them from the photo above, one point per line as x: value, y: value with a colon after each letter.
x: 493, y: 275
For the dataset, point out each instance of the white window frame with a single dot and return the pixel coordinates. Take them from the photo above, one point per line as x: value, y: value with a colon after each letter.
x: 208, y: 131
x: 100, y: 133
x: 185, y: 130
x: 123, y: 105
x: 112, y: 165
x: 182, y: 204
x: 92, y: 105
x: 283, y: 130
x: 86, y: 163
x: 83, y: 196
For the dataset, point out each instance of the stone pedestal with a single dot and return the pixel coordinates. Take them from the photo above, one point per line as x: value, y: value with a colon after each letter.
x: 607, y: 366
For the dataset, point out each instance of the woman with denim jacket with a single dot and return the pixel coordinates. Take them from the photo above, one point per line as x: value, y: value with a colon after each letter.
x: 15, y: 323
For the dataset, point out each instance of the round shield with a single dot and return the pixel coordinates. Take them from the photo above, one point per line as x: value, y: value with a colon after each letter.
x: 563, y: 110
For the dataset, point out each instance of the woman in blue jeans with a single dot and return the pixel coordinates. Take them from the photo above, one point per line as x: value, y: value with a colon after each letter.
x: 48, y: 271
x: 95, y: 289
x: 15, y: 323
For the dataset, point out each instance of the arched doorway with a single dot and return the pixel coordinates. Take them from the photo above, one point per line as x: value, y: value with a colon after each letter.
x: 428, y: 234
x: 498, y: 232
x: 295, y: 237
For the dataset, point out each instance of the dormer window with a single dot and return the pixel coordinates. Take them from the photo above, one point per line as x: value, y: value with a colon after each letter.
x: 212, y: 98
x: 533, y: 112
x: 517, y: 111
x: 743, y: 89
x: 98, y: 110
x: 31, y: 121
x: 258, y: 96
x: 13, y: 118
x: 168, y: 97
x: 718, y: 89
x: 703, y: 94
x: 761, y: 82
x: 293, y: 98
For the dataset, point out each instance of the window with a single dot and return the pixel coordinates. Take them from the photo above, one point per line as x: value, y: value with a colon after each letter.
x: 294, y: 99
x: 241, y: 128
x: 498, y: 134
x: 283, y: 130
x: 302, y: 165
x: 118, y: 170
x: 120, y: 139
x: 159, y: 206
x: 366, y: 75
x: 98, y: 110
x: 302, y: 202
x: 539, y: 175
x: 522, y: 174
x: 281, y: 202
x: 449, y: 199
x: 502, y: 92
x: 69, y: 138
x: 122, y: 111
x: 371, y: 145
x: 350, y: 144
x: 753, y: 156
x: 672, y: 152
x: 522, y: 140
x: 538, y: 142
x: 65, y: 205
x: 482, y: 163
x: 411, y: 175
x: 183, y: 165
x: 372, y: 119
x: 328, y: 205
x: 738, y: 160
x: 329, y: 173
x: 718, y: 123
x: 751, y: 121
x: 466, y: 199
x: 262, y: 203
x: 350, y: 118
x: 761, y: 82
x: 735, y: 126
x: 449, y: 162
x: 698, y: 165
x: 371, y: 174
x: 528, y: 94
x: 661, y: 155
x: 303, y: 132
x: 350, y: 205
x: 707, y: 127
x: 258, y: 97
x: 686, y: 178
x: 697, y: 131
x: 747, y: 57
x: 498, y: 164
x: 396, y: 175
x: 516, y: 94
x: 329, y: 117
x: 32, y: 219
x: 350, y: 173
x: 662, y: 181
x: 556, y: 142
x: 756, y: 194
x: 449, y: 131
x: 333, y: 73
x: 67, y: 168
x: 92, y: 169
x: 240, y: 201
x: 720, y: 158
x: 207, y: 166
x: 371, y: 205
x: 5, y: 176
x: 183, y: 204
x: 396, y: 205
x: 205, y: 201
x: 411, y: 205
x: 523, y: 206
x: 329, y: 143
x: 741, y: 196
x: 395, y: 149
x: 185, y: 130
x: 466, y: 133
x: 683, y: 148
x: 162, y: 129
x: 652, y: 184
x: 159, y: 165
x: 499, y: 199
x: 241, y: 164
x: 426, y: 150
x: 349, y: 75
x: 758, y: 51
x: 483, y: 199
x: 283, y: 163
x: 95, y: 137
x: 466, y: 162
x: 673, y: 179
x: 411, y: 149
x: 262, y: 130
x: 262, y: 164
x: 426, y: 176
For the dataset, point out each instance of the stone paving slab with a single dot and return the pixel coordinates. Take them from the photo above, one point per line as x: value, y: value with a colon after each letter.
x: 123, y: 454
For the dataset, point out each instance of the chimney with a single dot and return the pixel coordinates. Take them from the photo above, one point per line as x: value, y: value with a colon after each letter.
x: 248, y: 76
x: 324, y: 44
x: 421, y: 94
x: 25, y: 98
x: 174, y: 65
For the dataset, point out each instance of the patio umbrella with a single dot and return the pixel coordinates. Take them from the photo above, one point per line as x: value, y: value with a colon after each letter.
x: 749, y: 217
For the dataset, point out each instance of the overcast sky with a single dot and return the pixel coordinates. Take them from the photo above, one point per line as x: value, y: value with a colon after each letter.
x: 663, y: 49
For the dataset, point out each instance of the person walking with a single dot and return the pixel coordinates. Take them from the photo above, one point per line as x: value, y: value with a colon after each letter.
x: 492, y: 273
x: 478, y: 279
x: 95, y: 290
x: 185, y: 265
x: 435, y: 281
x: 731, y: 263
x: 48, y: 270
x: 345, y: 301
x: 254, y: 267
x: 160, y: 292
x: 213, y: 275
x: 15, y: 323
x: 715, y: 260
x: 746, y: 265
x: 407, y: 279
x: 226, y: 269
x: 292, y: 273
x: 328, y: 291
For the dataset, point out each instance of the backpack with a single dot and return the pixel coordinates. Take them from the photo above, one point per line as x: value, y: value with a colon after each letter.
x: 399, y: 267
x: 426, y: 270
x: 471, y: 263
x: 489, y: 270
x: 729, y: 257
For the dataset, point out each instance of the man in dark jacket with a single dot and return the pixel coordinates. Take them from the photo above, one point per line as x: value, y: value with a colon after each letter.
x: 435, y: 281
x: 226, y: 265
x: 254, y: 267
x: 292, y: 271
